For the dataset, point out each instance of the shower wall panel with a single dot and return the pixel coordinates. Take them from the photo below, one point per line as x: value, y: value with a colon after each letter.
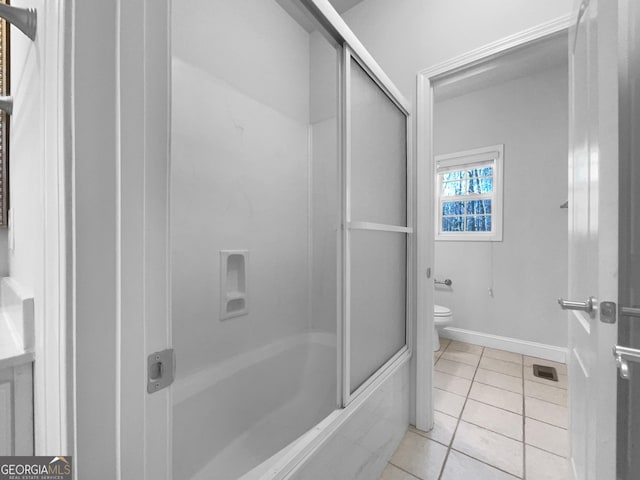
x: 325, y: 219
x: 240, y: 173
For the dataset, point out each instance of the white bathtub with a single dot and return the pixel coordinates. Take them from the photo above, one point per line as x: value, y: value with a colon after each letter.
x: 233, y: 416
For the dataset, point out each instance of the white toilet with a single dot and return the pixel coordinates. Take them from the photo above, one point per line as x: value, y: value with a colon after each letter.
x: 442, y: 316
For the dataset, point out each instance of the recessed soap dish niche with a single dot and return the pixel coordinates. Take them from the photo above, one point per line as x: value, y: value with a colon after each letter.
x: 234, y: 296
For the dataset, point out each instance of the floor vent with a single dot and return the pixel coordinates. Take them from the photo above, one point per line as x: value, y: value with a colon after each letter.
x: 548, y: 373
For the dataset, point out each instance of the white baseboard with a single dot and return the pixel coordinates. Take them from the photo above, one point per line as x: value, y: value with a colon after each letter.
x: 524, y: 347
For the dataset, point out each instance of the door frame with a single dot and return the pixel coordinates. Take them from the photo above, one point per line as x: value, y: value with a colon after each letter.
x: 118, y: 246
x: 425, y: 215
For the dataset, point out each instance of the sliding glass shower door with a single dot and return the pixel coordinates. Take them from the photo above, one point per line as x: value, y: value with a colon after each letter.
x: 255, y: 218
x: 290, y: 229
x: 376, y: 230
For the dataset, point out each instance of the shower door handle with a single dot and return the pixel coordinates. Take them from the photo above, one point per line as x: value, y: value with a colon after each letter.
x: 633, y: 312
x: 587, y: 306
x: 623, y: 356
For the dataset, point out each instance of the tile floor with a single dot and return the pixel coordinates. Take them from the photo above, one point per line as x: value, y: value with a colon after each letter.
x: 494, y: 420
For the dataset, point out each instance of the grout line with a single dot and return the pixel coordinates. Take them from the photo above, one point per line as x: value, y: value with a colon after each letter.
x: 452, y: 393
x: 493, y: 431
x: 547, y: 385
x: 547, y: 423
x: 489, y: 385
x: 405, y: 471
x: 485, y: 463
x: 498, y: 371
x: 495, y: 406
x: 502, y: 360
x: 548, y: 452
x: 539, y: 448
x: 455, y: 430
x: 429, y: 438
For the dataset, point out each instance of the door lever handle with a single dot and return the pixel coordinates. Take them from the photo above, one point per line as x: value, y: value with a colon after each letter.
x: 588, y: 306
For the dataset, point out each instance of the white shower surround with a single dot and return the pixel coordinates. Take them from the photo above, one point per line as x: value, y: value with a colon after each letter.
x: 212, y: 402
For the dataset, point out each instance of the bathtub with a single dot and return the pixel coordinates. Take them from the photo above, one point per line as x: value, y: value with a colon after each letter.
x: 231, y: 417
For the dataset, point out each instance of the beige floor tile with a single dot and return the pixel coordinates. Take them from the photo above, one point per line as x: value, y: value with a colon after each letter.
x: 560, y: 367
x: 547, y: 437
x: 394, y: 473
x: 489, y: 447
x: 500, y: 380
x: 447, y: 402
x: 444, y: 343
x: 451, y: 383
x: 497, y: 397
x: 436, y: 356
x: 455, y: 368
x: 443, y: 428
x: 502, y: 366
x: 546, y: 412
x: 495, y: 419
x: 419, y: 456
x: 502, y: 355
x: 465, y: 347
x: 463, y: 467
x: 542, y: 465
x: 545, y: 392
x: 462, y: 357
x: 561, y: 383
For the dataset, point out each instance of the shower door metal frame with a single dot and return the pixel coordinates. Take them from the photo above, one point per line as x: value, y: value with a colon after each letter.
x: 331, y: 20
x: 349, y: 55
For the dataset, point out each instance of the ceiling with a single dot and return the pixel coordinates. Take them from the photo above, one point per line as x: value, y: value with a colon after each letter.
x: 542, y: 55
x: 299, y: 14
x: 343, y: 5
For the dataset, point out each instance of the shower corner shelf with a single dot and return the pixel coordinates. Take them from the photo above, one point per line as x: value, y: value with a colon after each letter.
x: 234, y: 296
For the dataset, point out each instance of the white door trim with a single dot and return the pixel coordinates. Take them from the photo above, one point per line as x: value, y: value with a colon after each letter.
x: 52, y: 385
x: 119, y: 122
x: 425, y: 169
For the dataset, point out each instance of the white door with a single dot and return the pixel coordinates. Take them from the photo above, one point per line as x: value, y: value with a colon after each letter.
x: 593, y: 238
x: 628, y: 435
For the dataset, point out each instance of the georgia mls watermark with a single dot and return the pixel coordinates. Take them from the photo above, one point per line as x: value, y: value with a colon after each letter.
x: 35, y: 468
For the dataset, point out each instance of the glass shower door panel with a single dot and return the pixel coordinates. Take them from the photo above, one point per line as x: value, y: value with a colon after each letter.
x: 378, y: 154
x: 378, y: 301
x: 254, y: 216
x: 377, y: 236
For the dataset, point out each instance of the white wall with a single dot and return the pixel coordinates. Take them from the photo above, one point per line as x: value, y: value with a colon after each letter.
x: 407, y: 36
x: 527, y: 271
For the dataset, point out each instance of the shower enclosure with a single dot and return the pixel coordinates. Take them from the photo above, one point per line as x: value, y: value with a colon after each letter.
x: 291, y: 228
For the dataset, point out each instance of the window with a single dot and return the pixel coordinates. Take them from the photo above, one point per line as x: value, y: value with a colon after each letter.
x: 469, y: 195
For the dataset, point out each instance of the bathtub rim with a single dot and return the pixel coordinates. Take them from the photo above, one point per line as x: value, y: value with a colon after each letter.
x: 292, y: 457
x: 197, y: 382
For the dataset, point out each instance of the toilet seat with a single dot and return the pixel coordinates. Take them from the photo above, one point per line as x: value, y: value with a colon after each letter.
x: 440, y: 311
